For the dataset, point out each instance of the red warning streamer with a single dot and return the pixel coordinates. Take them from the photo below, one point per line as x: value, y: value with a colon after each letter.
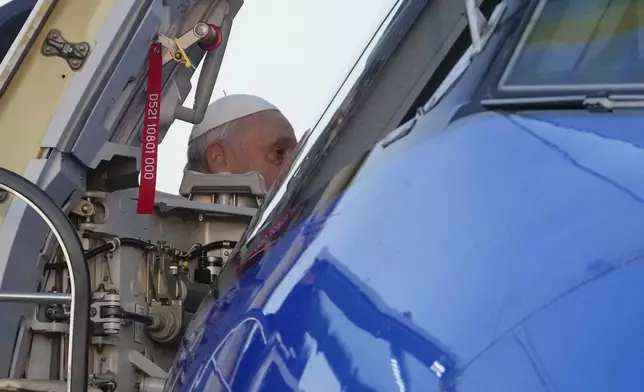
x: 150, y: 134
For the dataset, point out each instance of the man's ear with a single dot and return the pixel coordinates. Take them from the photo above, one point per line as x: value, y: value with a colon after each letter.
x: 216, y: 156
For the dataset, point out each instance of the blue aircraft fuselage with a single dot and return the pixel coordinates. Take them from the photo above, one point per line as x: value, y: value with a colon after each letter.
x: 486, y: 250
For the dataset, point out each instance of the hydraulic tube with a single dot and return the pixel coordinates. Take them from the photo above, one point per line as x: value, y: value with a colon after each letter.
x: 207, y: 79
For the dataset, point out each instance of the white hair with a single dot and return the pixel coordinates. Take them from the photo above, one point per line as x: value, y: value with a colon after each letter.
x: 198, y: 147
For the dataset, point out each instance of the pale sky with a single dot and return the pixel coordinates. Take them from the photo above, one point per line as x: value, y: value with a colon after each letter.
x: 294, y: 53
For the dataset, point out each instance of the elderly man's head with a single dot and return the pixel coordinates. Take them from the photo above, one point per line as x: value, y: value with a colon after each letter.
x: 239, y: 134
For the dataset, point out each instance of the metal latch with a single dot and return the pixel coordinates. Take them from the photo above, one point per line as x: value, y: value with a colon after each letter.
x: 74, y: 53
x: 202, y: 33
x: 607, y: 104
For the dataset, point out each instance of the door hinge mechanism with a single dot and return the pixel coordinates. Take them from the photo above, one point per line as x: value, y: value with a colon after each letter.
x: 74, y: 53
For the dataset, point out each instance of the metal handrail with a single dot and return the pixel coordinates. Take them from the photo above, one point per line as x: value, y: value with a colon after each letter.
x: 74, y: 255
x: 35, y: 298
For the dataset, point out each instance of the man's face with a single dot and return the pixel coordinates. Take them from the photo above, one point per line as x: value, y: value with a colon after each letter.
x: 261, y: 142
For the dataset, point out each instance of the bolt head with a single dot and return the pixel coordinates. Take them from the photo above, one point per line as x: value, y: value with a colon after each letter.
x: 92, y: 312
x: 201, y: 30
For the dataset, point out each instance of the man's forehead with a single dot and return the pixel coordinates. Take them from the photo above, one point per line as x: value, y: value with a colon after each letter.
x: 270, y: 124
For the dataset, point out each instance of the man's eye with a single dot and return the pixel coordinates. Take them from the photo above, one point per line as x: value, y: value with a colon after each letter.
x: 278, y: 156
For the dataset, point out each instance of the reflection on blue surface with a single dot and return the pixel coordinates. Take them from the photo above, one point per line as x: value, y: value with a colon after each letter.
x: 511, y: 259
x: 303, y: 325
x: 491, y: 252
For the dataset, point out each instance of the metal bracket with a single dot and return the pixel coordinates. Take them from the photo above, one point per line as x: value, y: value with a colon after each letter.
x: 399, y: 133
x: 84, y: 208
x: 481, y: 30
x: 480, y: 27
x: 145, y: 365
x: 176, y: 47
x: 476, y: 22
x: 74, y: 53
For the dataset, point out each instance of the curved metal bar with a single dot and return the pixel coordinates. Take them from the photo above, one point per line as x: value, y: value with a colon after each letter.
x: 72, y: 249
